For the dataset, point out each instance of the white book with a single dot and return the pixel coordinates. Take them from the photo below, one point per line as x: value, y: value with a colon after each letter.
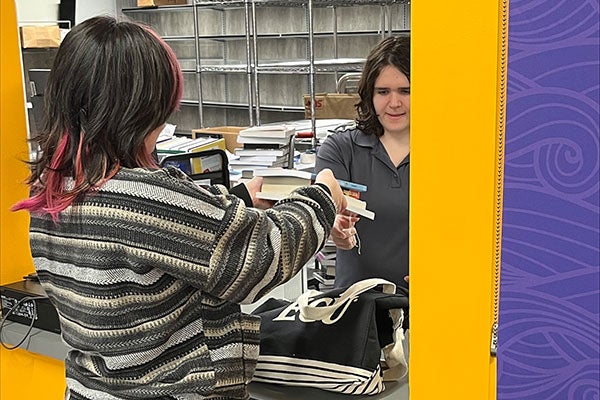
x: 237, y: 164
x: 171, y: 143
x: 194, y: 143
x: 167, y: 133
x: 330, y: 270
x: 247, y: 170
x: 283, y: 172
x: 263, y: 140
x: 268, y: 131
x: 247, y: 167
x: 354, y: 206
x: 262, y: 158
x: 325, y: 261
x: 359, y: 207
x: 263, y: 152
x: 324, y: 278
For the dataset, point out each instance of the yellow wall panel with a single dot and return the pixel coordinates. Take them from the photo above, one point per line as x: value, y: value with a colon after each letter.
x: 15, y: 259
x: 23, y: 375
x: 28, y: 376
x: 453, y: 197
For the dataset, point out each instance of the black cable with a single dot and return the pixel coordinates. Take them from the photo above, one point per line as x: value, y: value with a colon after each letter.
x: 16, y: 306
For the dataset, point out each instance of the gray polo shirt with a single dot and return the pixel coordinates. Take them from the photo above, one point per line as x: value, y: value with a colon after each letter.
x: 383, y: 251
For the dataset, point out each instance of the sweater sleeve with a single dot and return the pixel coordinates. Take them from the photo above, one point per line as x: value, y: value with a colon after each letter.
x: 164, y: 228
x: 235, y: 252
x: 257, y: 250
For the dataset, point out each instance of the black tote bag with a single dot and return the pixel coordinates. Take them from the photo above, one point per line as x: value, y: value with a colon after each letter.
x: 334, y: 340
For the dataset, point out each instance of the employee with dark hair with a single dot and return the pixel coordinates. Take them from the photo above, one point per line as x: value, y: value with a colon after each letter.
x: 376, y: 154
x: 145, y: 268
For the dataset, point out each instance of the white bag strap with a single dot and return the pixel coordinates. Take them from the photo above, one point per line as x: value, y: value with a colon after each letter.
x: 319, y: 313
x: 394, y: 352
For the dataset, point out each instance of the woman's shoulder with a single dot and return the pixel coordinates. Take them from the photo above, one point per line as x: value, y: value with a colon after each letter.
x: 349, y: 138
x: 148, y: 175
x: 168, y: 178
x: 343, y: 135
x: 167, y: 185
x: 174, y: 179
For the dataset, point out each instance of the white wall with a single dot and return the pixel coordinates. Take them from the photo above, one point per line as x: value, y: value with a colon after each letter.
x: 47, y: 10
x: 37, y: 10
x: 85, y: 9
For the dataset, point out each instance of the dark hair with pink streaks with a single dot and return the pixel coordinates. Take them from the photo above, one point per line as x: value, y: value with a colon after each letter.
x: 112, y: 83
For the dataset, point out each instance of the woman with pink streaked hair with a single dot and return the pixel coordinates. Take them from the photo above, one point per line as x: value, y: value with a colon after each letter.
x: 146, y: 269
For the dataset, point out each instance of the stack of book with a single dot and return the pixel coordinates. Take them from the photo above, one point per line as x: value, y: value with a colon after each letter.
x: 184, y: 144
x: 278, y: 183
x: 263, y: 147
x: 325, y: 265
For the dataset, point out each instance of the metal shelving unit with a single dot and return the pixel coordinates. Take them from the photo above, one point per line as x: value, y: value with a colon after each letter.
x: 253, y: 65
x: 201, y: 65
x: 311, y: 66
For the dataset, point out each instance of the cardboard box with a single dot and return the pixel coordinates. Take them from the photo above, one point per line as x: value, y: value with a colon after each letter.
x: 229, y: 133
x: 333, y: 105
x: 40, y: 36
x: 155, y: 3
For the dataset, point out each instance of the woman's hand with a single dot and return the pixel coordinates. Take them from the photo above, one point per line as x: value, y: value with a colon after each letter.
x: 254, y: 186
x: 343, y: 233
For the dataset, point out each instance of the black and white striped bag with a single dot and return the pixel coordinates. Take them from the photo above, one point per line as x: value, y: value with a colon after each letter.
x: 334, y: 340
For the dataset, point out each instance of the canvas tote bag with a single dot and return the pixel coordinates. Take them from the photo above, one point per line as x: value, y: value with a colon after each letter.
x: 334, y: 340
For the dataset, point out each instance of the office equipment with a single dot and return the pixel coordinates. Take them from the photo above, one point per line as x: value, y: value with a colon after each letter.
x: 211, y: 165
x: 26, y: 302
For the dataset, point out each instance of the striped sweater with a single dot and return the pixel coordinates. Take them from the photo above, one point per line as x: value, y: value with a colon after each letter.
x: 147, y: 275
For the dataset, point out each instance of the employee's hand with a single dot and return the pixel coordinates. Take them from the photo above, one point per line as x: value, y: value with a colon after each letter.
x: 254, y: 186
x: 326, y: 177
x: 343, y: 233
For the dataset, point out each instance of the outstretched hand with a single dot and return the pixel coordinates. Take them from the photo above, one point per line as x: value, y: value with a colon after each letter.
x: 343, y: 233
x: 254, y: 186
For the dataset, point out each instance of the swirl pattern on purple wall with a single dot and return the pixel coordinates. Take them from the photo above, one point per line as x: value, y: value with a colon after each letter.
x: 549, y: 325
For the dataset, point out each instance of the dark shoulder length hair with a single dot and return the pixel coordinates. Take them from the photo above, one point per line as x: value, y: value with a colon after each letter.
x: 113, y: 82
x: 393, y: 51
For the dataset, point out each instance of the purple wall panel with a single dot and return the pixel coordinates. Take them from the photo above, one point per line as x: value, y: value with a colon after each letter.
x: 549, y: 292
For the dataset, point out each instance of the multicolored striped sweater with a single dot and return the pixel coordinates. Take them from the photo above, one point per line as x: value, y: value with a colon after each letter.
x: 147, y: 274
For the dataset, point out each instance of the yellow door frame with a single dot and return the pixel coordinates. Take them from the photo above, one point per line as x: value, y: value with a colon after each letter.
x: 457, y: 120
x: 18, y: 368
x: 458, y: 56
